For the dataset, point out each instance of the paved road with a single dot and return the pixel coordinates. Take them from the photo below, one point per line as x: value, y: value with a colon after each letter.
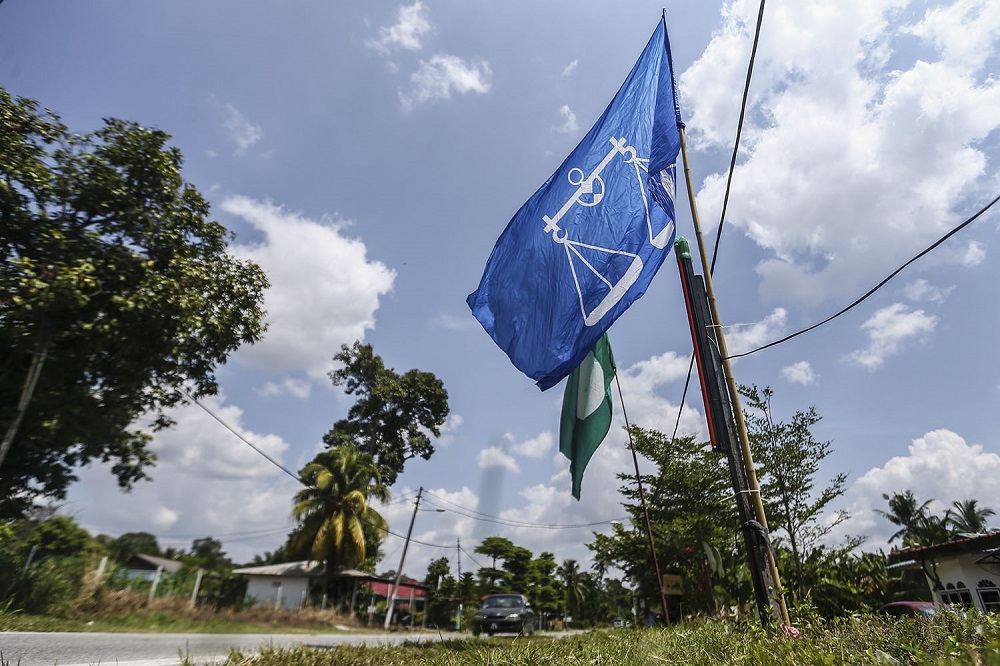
x: 90, y: 649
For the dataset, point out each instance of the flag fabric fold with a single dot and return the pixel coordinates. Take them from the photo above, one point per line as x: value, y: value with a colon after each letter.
x: 587, y: 244
x: 586, y: 410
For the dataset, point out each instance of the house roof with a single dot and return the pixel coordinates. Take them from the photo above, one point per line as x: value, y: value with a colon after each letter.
x: 151, y: 563
x: 979, y: 543
x: 301, y: 568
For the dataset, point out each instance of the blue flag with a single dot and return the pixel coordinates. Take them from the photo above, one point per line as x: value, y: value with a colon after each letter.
x: 588, y: 242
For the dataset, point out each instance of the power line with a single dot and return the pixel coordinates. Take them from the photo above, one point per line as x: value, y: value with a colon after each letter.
x: 881, y: 284
x: 476, y: 515
x: 739, y: 133
x: 729, y: 185
x: 242, y: 438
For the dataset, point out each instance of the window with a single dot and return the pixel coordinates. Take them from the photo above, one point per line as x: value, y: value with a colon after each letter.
x: 990, y: 598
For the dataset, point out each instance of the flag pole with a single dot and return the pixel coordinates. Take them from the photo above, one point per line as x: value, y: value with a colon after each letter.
x: 778, y: 607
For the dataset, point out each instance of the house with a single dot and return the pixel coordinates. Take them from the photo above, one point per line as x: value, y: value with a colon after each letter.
x: 282, y: 585
x: 297, y: 584
x: 961, y: 572
x: 145, y: 567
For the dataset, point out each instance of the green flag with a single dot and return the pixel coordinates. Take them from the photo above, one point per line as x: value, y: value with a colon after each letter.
x: 586, y: 411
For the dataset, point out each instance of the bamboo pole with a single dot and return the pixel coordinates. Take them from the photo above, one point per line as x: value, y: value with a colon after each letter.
x: 776, y: 595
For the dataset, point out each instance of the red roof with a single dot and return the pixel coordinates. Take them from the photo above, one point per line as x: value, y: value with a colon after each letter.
x: 405, y: 591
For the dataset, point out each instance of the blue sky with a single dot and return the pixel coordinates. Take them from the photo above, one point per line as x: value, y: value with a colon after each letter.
x: 368, y: 155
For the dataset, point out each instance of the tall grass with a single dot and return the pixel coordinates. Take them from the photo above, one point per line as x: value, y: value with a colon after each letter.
x: 973, y: 639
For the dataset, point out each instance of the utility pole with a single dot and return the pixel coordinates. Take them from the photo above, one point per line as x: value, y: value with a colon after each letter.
x: 402, y: 558
x: 458, y: 562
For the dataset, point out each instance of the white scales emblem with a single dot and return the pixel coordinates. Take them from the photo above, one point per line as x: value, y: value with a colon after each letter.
x: 589, y: 192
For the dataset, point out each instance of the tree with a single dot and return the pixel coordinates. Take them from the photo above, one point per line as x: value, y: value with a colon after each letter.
x: 905, y: 514
x: 966, y: 517
x: 333, y: 509
x: 788, y: 457
x: 495, y: 579
x: 207, y: 553
x: 59, y: 535
x: 575, y: 590
x: 394, y: 416
x: 118, y: 296
x: 130, y: 543
x: 689, y: 497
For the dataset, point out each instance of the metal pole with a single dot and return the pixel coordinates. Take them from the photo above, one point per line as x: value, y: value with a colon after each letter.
x: 402, y: 558
x: 645, y: 511
x: 778, y: 608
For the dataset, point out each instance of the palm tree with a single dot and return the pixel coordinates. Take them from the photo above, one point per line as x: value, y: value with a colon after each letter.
x: 333, y: 509
x: 929, y: 531
x: 569, y: 571
x: 904, y: 512
x: 966, y: 517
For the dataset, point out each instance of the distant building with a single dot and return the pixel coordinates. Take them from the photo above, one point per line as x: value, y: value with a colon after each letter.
x: 295, y: 584
x: 144, y: 567
x: 962, y: 572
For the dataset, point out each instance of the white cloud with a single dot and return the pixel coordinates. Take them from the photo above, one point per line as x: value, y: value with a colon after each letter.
x: 455, y: 323
x: 974, y: 254
x: 412, y: 23
x: 536, y: 447
x: 443, y: 74
x: 960, y: 31
x: 324, y: 290
x: 646, y: 408
x: 493, y: 456
x: 570, y: 68
x: 570, y: 125
x: 940, y: 466
x: 799, y: 373
x: 742, y: 338
x: 922, y: 290
x: 295, y: 387
x: 448, y: 430
x: 241, y: 131
x: 854, y: 156
x: 206, y: 482
x: 888, y: 330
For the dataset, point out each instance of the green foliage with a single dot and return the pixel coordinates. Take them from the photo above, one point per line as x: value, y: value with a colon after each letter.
x: 206, y: 553
x: 394, y: 416
x: 788, y: 459
x: 689, y: 503
x: 59, y: 535
x: 918, y: 527
x: 333, y: 509
x: 102, y: 240
x: 130, y: 543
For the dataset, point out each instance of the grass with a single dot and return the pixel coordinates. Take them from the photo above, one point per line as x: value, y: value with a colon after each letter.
x: 855, y: 640
x: 123, y: 611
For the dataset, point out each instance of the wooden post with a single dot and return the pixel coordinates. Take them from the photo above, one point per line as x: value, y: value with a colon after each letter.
x: 197, y: 586
x: 156, y: 582
x: 778, y: 608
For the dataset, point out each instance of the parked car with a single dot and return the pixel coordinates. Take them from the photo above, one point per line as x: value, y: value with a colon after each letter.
x: 909, y: 609
x: 507, y: 613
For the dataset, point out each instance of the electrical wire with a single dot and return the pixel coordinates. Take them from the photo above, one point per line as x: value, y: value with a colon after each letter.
x: 881, y: 284
x: 242, y: 438
x: 729, y: 185
x: 739, y: 133
x: 514, y: 523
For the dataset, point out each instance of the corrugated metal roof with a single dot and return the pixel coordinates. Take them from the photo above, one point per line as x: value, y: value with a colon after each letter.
x: 302, y: 568
x: 153, y: 562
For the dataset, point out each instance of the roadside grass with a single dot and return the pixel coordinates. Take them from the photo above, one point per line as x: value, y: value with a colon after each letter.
x: 123, y: 611
x: 972, y: 639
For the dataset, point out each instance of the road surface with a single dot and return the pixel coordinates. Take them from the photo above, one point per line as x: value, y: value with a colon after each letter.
x: 112, y: 649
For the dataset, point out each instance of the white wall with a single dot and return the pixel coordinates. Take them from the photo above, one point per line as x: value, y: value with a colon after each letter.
x: 264, y: 589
